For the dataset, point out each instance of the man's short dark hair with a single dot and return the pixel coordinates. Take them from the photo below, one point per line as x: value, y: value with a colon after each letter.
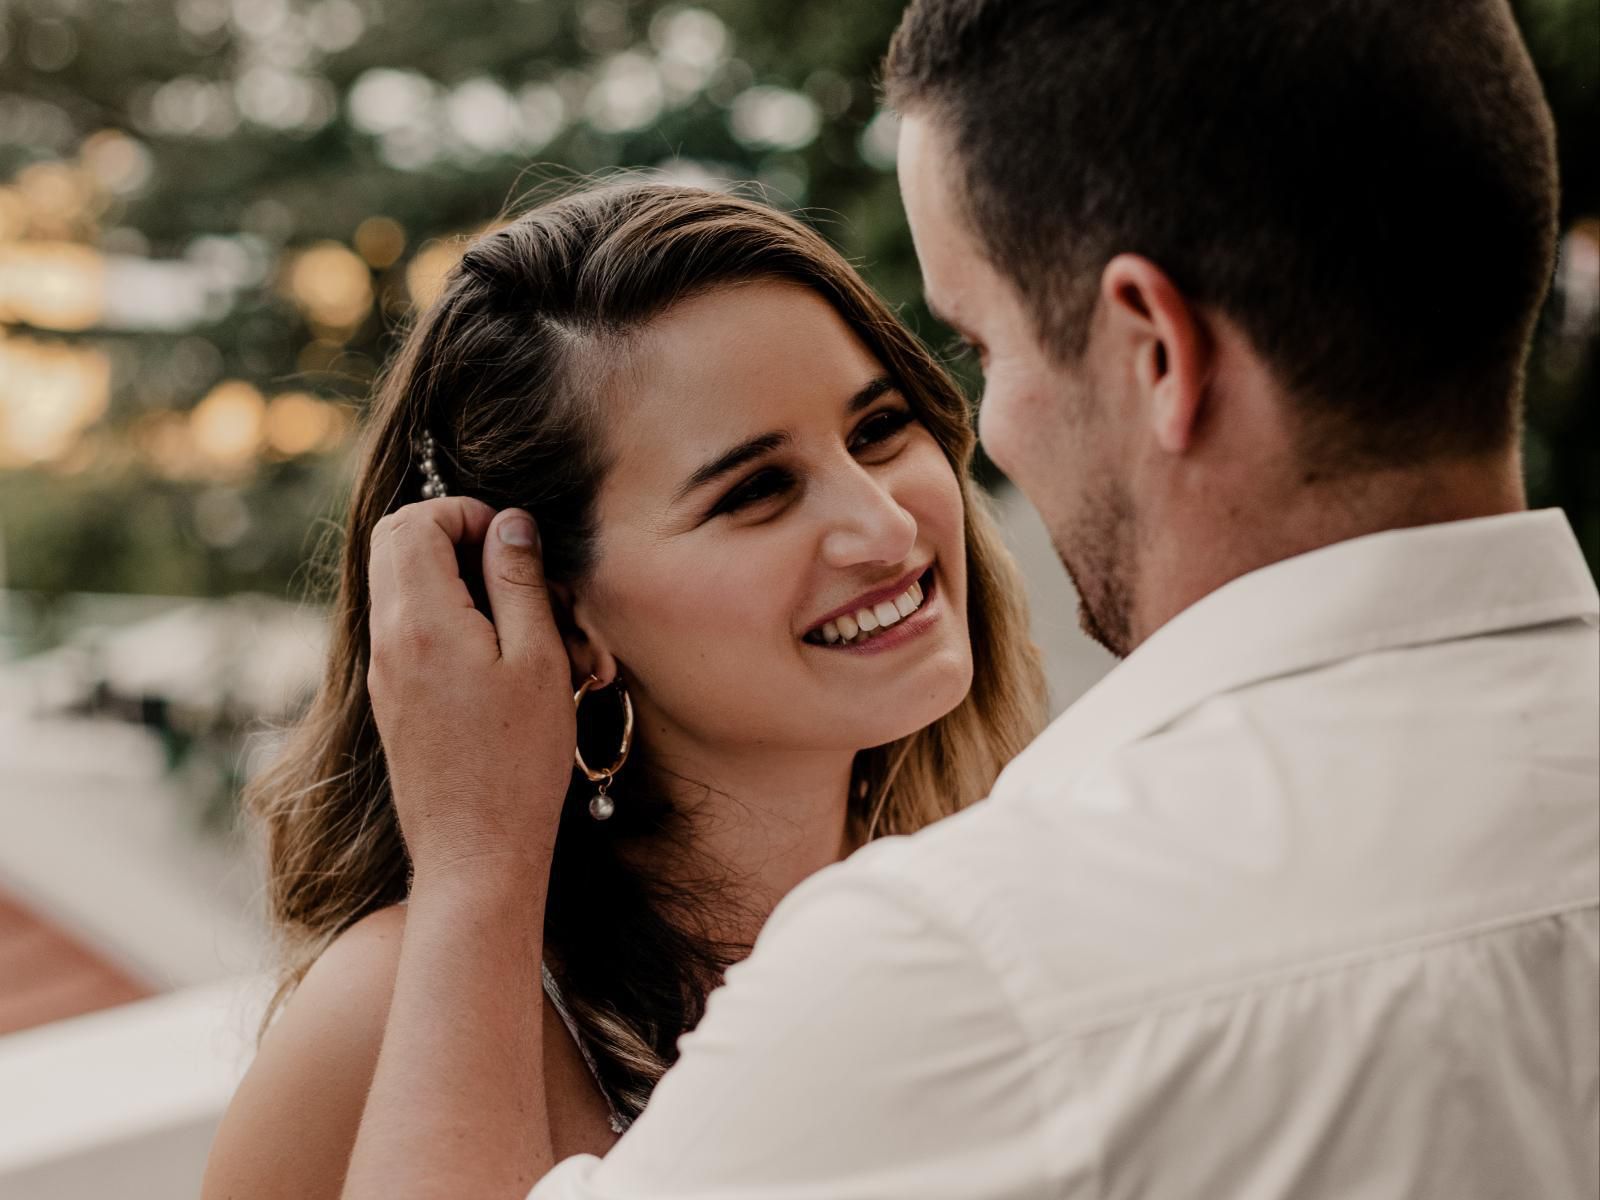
x: 1367, y: 187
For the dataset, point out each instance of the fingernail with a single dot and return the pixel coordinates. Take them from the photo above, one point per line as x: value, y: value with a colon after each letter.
x: 518, y: 530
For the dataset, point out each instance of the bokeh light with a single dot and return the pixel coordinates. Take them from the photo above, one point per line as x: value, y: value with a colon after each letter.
x: 381, y: 241
x: 426, y: 275
x: 49, y: 393
x: 332, y: 285
x: 297, y: 423
x: 51, y: 285
x: 228, y: 424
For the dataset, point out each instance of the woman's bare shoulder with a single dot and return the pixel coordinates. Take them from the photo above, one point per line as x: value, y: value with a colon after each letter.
x: 290, y: 1127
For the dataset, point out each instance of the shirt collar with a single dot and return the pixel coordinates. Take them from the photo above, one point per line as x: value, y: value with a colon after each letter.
x: 1401, y: 587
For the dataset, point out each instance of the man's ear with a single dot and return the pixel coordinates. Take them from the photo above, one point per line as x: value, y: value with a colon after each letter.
x: 1173, y: 354
x: 585, y: 651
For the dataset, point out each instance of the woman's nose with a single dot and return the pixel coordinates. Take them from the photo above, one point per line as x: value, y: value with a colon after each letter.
x: 867, y: 524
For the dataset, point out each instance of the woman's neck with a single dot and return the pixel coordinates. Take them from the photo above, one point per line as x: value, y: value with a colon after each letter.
x: 762, y: 821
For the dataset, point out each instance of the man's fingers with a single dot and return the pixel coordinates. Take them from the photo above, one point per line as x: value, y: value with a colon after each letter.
x: 462, y: 518
x: 513, y: 576
x: 411, y: 567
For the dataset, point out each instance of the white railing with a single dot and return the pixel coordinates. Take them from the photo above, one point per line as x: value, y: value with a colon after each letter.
x: 122, y: 1104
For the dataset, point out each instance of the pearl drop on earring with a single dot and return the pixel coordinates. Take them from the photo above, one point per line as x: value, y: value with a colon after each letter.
x: 601, y: 806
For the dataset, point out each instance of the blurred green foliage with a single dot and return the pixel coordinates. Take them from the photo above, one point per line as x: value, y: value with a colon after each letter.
x: 261, y: 127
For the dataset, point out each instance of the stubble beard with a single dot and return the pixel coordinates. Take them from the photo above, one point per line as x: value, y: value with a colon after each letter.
x: 1097, y: 552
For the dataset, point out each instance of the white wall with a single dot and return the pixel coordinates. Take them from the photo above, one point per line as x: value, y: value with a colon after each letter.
x: 122, y: 1104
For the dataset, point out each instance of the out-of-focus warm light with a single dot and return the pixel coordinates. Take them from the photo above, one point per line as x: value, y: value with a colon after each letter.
x: 426, y: 274
x: 332, y: 285
x: 64, y: 200
x: 381, y: 241
x: 166, y: 439
x: 116, y: 161
x: 13, y: 215
x: 341, y: 424
x: 298, y: 423
x: 48, y: 395
x: 51, y: 285
x: 85, y: 453
x: 227, y: 424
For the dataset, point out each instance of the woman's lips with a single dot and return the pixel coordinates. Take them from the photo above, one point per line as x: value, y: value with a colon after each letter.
x: 904, y: 630
x: 868, y: 602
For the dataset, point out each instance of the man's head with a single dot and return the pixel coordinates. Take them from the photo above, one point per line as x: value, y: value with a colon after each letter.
x: 1205, y: 244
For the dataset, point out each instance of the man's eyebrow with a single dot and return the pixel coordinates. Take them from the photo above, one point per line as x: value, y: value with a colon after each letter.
x: 947, y: 320
x: 766, y: 443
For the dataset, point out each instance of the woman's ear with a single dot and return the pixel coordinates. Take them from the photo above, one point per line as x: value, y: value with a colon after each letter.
x: 585, y: 651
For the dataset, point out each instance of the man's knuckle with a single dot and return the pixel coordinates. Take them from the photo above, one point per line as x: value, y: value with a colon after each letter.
x: 383, y: 530
x: 399, y: 642
x: 394, y: 526
x: 416, y: 640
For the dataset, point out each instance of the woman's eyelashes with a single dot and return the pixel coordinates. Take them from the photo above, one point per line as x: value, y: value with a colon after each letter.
x: 881, y: 426
x: 877, y: 431
x: 763, y: 485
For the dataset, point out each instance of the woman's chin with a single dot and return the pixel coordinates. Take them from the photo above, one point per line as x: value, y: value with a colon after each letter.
x: 934, y: 690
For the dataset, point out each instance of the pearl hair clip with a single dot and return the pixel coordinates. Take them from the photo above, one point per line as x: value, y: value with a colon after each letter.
x: 434, y: 485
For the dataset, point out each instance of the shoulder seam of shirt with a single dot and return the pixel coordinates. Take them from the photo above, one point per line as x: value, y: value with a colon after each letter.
x: 905, y: 888
x: 1330, y: 651
x: 1269, y: 980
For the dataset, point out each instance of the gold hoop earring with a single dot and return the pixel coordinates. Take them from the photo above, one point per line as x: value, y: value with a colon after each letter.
x: 601, y: 806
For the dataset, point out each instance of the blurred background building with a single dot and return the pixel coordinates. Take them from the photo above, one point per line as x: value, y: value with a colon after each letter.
x: 214, y: 216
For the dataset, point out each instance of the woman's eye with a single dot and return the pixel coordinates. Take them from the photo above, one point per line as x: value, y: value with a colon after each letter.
x: 882, y: 426
x: 763, y: 485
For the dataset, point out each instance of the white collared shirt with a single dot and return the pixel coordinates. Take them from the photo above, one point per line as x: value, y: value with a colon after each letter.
x: 1299, y: 902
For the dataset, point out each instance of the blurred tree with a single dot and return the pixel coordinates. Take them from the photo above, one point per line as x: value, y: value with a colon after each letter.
x: 214, y: 212
x: 1562, y: 458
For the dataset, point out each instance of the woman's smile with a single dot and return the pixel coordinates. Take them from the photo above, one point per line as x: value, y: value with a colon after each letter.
x: 882, y: 620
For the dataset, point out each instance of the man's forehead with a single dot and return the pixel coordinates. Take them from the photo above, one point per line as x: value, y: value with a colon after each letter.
x: 916, y: 161
x: 941, y: 240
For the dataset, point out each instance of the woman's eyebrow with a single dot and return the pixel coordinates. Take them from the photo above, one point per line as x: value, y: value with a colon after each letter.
x: 731, y: 461
x: 766, y: 443
x: 869, y: 393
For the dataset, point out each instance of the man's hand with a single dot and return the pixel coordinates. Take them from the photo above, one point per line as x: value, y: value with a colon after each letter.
x: 476, y: 717
x: 478, y: 729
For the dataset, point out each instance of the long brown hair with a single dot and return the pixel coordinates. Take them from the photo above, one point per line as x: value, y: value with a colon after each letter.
x: 506, y: 369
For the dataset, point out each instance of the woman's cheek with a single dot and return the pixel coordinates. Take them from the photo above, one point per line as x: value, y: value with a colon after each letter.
x: 697, y: 616
x: 937, y: 498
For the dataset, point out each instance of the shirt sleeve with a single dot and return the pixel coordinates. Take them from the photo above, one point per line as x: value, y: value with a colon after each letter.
x: 864, y: 1050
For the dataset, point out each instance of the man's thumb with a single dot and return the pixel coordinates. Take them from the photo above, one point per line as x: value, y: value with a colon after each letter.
x: 513, y: 577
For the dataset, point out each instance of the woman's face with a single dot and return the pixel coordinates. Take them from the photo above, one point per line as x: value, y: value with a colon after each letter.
x: 772, y: 509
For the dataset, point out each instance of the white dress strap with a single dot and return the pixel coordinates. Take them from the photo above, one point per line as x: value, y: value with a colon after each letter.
x: 552, y: 990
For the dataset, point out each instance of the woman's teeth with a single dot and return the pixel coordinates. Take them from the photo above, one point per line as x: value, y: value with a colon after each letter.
x: 864, y: 622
